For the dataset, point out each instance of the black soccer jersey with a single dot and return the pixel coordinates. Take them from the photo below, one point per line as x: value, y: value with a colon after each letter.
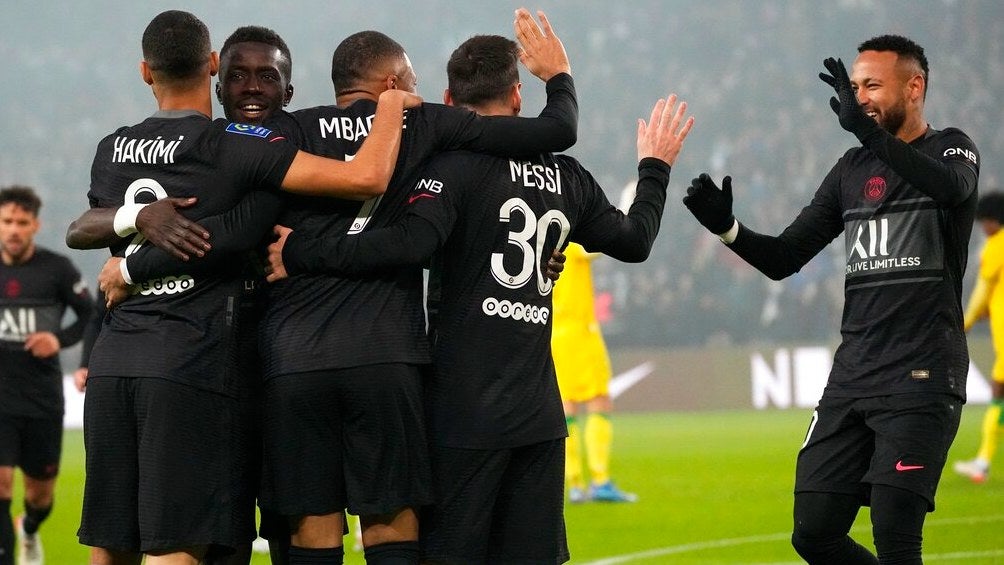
x: 34, y: 296
x: 493, y: 384
x: 180, y: 327
x: 906, y: 236
x: 317, y: 322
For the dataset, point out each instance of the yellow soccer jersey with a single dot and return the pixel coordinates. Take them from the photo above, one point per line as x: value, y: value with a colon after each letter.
x: 580, y: 356
x: 991, y: 270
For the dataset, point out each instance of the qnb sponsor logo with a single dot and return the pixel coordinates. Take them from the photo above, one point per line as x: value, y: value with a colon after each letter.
x: 166, y: 285
x: 515, y: 310
x: 967, y: 153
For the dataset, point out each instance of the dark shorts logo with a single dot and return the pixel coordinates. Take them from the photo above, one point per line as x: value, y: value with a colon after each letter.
x: 875, y: 188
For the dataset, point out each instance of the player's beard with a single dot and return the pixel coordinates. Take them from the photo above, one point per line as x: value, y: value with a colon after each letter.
x: 16, y: 249
x: 892, y: 119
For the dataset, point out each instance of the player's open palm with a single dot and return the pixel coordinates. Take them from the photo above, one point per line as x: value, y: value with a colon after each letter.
x: 663, y: 136
x: 540, y: 49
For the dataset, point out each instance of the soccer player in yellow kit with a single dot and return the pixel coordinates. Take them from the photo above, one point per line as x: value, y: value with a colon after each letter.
x: 987, y: 300
x: 583, y: 369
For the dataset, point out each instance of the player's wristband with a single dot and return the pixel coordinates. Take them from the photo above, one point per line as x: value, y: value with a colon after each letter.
x: 731, y: 235
x: 125, y: 219
x: 125, y: 270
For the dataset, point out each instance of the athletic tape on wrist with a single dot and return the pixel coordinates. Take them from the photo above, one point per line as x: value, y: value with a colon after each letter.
x: 125, y: 219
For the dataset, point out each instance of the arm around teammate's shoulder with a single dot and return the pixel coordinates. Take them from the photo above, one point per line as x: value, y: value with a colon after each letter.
x: 369, y: 172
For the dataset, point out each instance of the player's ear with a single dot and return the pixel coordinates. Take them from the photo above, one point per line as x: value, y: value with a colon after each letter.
x: 447, y: 97
x: 391, y: 82
x: 516, y: 98
x: 214, y: 63
x: 145, y: 72
x: 916, y: 87
x: 288, y: 95
x: 219, y: 93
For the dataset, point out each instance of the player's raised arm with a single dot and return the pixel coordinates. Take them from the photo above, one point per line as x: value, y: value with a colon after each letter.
x: 369, y: 172
x: 541, y: 51
x: 663, y: 135
x: 629, y: 237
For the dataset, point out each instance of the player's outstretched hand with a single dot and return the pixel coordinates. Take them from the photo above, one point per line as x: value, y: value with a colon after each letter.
x: 845, y: 104
x: 663, y: 136
x: 163, y: 226
x: 540, y: 49
x: 275, y: 269
x: 709, y: 204
x: 111, y: 282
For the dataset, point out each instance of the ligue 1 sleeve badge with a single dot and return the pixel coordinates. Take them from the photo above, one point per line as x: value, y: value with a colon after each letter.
x: 875, y: 188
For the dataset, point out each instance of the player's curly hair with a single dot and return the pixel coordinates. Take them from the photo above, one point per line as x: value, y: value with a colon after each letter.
x: 176, y: 45
x: 358, y: 54
x: 990, y: 206
x: 482, y: 69
x: 902, y: 46
x: 23, y: 196
x: 259, y: 34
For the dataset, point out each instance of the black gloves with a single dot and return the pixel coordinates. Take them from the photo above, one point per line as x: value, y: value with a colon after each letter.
x: 845, y: 104
x: 711, y: 206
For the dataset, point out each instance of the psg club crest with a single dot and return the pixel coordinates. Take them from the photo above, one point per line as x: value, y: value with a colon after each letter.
x: 12, y: 289
x: 875, y: 188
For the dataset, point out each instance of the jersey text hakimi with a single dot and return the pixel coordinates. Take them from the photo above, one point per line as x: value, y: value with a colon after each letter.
x: 147, y: 151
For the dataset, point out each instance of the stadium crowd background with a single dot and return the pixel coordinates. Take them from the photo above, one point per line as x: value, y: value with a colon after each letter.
x: 748, y: 70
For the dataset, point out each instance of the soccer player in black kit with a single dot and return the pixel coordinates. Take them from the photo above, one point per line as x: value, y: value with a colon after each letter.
x: 371, y: 63
x: 164, y: 476
x: 254, y: 86
x: 495, y: 420
x: 905, y: 201
x: 343, y: 355
x: 36, y: 288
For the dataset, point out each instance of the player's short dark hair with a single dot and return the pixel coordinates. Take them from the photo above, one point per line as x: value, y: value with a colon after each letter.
x: 176, y: 44
x: 259, y: 34
x: 990, y: 206
x: 357, y: 54
x: 903, y: 47
x: 22, y: 196
x: 484, y: 68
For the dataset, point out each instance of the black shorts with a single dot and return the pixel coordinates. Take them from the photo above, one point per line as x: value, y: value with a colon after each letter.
x: 164, y: 467
x: 33, y: 444
x: 898, y: 440
x: 497, y: 506
x: 349, y: 438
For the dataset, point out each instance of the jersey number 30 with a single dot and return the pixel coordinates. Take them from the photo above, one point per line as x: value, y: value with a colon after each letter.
x: 530, y: 242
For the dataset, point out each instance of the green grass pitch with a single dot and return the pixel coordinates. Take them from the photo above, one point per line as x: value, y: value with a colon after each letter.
x: 714, y: 488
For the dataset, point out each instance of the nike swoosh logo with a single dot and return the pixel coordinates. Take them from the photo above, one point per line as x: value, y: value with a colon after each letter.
x: 417, y: 196
x: 901, y: 467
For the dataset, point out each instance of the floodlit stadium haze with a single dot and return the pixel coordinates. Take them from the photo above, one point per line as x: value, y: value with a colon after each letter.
x: 694, y: 330
x: 747, y: 69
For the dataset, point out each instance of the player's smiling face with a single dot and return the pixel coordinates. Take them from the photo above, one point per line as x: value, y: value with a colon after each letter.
x: 252, y: 85
x: 881, y: 87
